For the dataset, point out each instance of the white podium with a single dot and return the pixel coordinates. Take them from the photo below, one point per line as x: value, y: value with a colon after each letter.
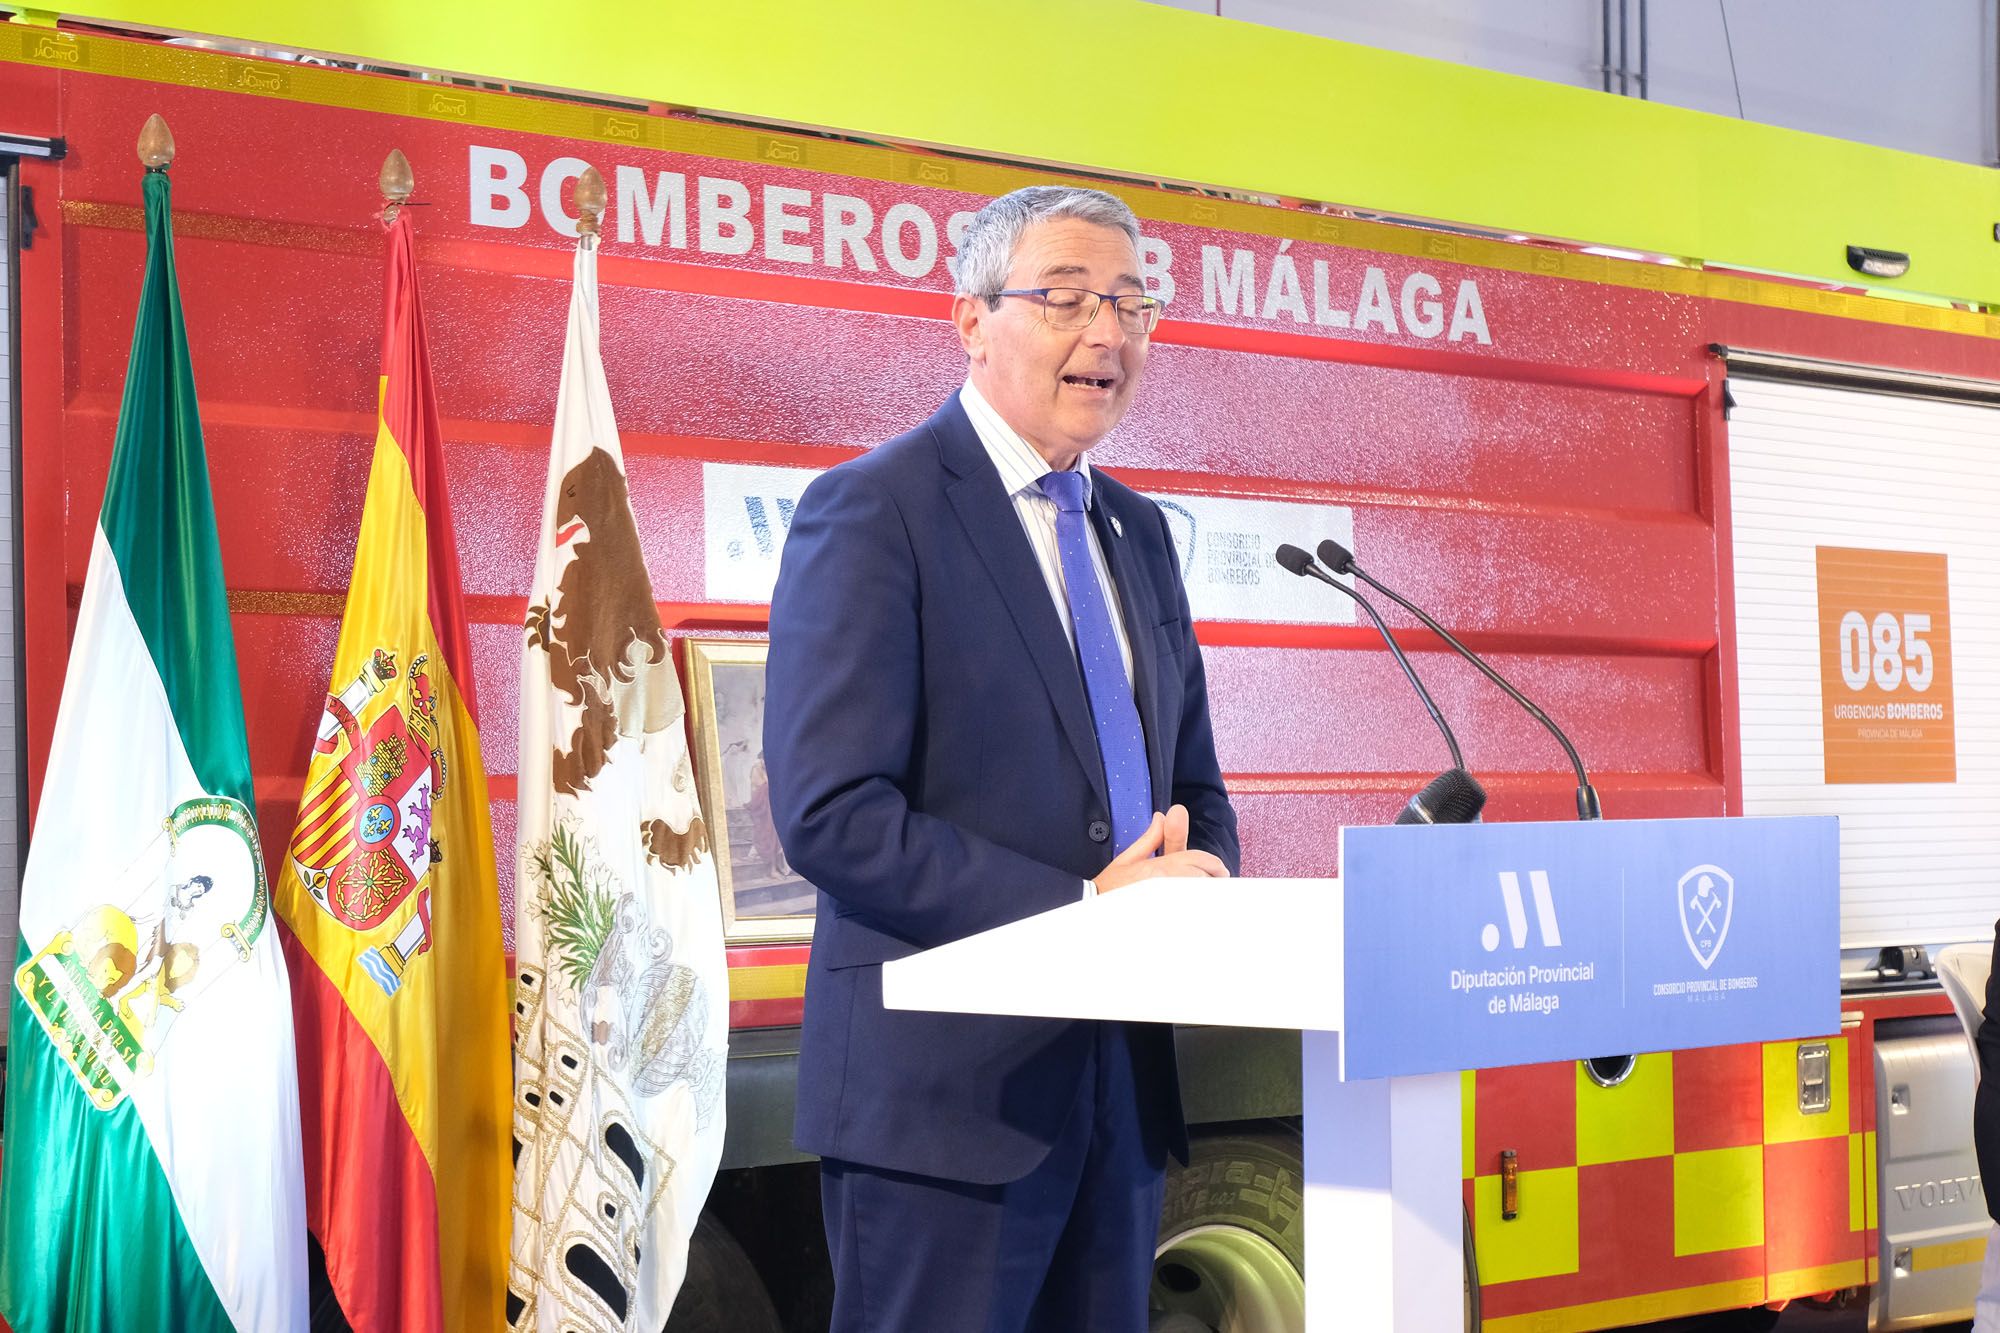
x: 1383, y: 1194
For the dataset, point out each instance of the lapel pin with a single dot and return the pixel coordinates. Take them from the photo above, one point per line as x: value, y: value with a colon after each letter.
x: 1117, y: 528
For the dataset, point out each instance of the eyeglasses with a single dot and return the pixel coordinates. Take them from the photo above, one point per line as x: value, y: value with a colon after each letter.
x: 1076, y: 307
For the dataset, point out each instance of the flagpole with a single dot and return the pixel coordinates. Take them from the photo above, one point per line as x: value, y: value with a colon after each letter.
x: 395, y: 941
x: 587, y: 195
x: 162, y: 1104
x: 156, y: 143
x: 613, y: 864
x: 397, y: 183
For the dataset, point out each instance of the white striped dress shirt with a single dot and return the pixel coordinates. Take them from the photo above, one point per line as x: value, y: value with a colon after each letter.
x: 1021, y: 469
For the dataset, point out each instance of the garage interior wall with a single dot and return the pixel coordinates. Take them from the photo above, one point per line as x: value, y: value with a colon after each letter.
x: 1914, y: 77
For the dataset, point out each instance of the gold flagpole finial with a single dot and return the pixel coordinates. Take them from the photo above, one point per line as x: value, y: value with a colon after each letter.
x: 398, y: 183
x: 588, y: 197
x: 156, y: 144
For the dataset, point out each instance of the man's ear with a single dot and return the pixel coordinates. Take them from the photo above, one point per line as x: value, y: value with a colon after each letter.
x: 967, y: 315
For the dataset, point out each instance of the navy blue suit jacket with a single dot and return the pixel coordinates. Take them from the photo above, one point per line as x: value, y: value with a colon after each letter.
x: 934, y: 771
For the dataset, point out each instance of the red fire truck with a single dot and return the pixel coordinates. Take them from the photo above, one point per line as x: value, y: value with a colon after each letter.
x: 1660, y: 496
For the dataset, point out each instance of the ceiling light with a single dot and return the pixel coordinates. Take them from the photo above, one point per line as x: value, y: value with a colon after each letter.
x: 1877, y: 263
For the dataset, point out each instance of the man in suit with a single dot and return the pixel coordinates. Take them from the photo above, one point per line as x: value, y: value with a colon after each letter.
x: 985, y: 701
x: 1986, y: 1142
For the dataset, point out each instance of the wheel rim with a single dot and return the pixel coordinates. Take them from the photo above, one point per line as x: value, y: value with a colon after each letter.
x: 1228, y: 1280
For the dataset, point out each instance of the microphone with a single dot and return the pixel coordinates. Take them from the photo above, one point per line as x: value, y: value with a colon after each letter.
x: 1341, y: 561
x: 1298, y: 562
x: 1454, y: 797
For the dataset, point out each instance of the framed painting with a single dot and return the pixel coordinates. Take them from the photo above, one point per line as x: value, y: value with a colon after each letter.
x: 763, y: 898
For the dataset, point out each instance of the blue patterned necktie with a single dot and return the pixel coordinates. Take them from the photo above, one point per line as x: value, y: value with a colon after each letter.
x: 1120, y: 740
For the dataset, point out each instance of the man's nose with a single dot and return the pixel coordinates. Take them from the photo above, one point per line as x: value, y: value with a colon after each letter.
x: 1104, y: 330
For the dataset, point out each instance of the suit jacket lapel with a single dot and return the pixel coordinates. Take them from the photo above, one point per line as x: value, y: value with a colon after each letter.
x: 987, y: 512
x: 1140, y: 616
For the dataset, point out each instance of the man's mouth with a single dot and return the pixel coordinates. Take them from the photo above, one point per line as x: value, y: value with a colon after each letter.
x: 1088, y: 381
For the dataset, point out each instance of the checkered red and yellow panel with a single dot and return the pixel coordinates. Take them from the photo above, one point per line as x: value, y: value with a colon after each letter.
x: 1695, y: 1184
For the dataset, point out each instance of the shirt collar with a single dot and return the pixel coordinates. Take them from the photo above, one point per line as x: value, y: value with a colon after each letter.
x: 1020, y: 464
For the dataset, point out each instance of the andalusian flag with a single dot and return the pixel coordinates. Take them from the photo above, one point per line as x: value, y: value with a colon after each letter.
x: 388, y: 892
x: 621, y: 986
x: 152, y: 1149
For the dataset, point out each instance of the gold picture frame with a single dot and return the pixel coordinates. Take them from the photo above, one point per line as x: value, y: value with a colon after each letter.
x: 763, y: 899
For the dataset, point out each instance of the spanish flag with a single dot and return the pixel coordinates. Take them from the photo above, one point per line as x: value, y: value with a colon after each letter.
x: 388, y: 893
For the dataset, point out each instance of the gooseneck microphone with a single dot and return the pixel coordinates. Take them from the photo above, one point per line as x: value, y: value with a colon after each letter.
x: 1453, y: 797
x: 1341, y: 561
x: 1299, y: 562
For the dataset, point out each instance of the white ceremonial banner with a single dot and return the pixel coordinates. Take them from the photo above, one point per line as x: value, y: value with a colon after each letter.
x: 621, y: 985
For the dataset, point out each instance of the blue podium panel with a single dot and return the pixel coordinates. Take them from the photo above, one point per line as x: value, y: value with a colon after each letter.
x: 1476, y: 945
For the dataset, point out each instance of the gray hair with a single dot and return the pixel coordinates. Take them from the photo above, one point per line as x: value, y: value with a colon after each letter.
x: 986, y: 252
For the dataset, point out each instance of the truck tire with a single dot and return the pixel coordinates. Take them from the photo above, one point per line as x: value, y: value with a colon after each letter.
x: 722, y: 1292
x: 1231, y: 1253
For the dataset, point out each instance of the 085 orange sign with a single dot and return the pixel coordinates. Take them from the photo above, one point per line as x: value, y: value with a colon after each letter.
x: 1885, y: 666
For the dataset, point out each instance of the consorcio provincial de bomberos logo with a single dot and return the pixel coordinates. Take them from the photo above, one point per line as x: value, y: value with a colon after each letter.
x: 110, y: 987
x: 1707, y: 900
